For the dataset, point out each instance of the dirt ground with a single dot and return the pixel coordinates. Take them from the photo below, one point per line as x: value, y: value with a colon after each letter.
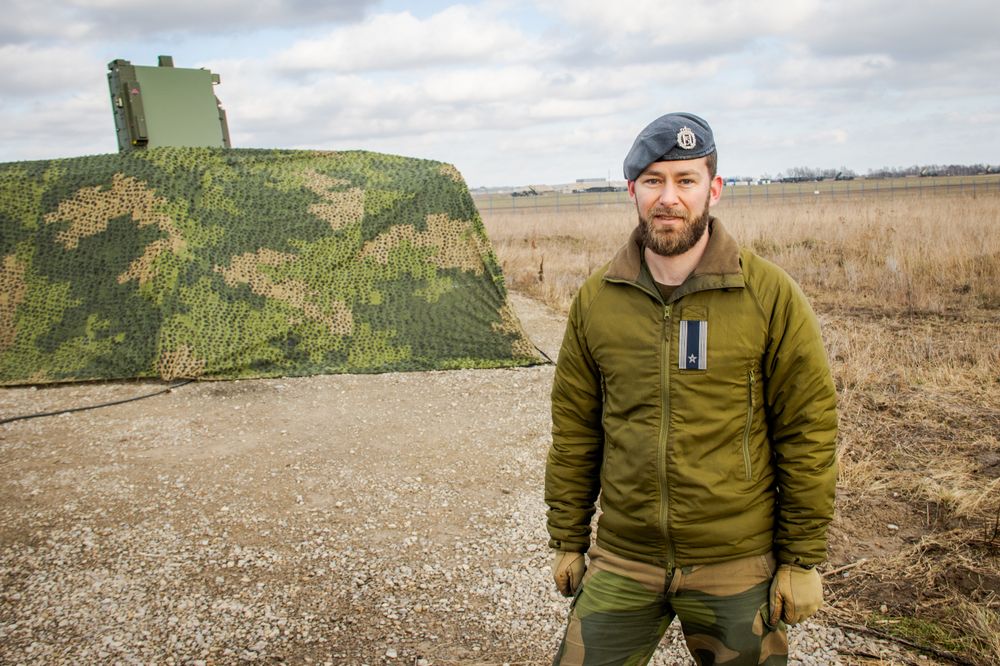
x: 325, y: 519
x: 335, y: 519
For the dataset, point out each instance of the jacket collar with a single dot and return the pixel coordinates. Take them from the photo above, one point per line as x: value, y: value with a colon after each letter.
x: 719, y: 267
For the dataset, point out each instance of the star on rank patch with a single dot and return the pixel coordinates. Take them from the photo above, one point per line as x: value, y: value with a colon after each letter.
x: 686, y: 138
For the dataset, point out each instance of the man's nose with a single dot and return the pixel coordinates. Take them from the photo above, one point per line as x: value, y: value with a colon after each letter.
x: 668, y: 195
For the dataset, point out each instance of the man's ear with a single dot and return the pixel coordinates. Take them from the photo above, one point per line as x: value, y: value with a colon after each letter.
x: 631, y: 190
x: 715, y: 190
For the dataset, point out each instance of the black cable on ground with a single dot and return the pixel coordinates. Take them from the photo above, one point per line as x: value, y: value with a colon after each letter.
x: 103, y: 404
x: 543, y: 354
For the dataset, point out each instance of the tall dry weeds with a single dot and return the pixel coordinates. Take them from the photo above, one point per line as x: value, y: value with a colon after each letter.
x: 920, y: 254
x: 547, y: 255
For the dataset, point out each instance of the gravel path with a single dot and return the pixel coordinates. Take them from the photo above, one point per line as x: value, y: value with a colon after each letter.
x: 385, y: 519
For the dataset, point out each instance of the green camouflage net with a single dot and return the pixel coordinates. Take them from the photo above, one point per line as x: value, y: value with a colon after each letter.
x: 222, y: 264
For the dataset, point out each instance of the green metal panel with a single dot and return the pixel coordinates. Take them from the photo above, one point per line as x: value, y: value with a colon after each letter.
x: 180, y: 107
x: 165, y: 106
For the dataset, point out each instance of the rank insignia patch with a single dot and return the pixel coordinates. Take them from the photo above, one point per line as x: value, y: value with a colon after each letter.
x: 693, y: 344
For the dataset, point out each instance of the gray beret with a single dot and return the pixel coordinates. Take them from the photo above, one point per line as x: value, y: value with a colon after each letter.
x: 675, y: 136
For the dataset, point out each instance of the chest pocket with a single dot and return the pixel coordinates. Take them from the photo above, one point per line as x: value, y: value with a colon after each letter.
x: 716, y: 389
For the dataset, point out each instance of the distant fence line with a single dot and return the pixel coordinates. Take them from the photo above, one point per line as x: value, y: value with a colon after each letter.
x: 756, y: 194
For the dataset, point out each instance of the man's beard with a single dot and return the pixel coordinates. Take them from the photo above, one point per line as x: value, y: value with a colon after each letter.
x: 670, y: 243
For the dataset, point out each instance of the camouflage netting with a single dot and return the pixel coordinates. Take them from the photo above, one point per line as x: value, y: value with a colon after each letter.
x: 215, y: 263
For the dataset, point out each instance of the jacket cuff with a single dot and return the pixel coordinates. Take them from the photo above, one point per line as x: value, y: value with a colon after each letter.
x: 568, y: 546
x: 803, y: 561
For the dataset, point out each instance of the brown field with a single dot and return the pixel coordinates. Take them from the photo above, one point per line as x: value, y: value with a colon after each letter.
x: 908, y: 292
x: 490, y: 203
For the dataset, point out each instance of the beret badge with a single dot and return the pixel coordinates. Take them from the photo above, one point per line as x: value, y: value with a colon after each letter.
x: 686, y: 138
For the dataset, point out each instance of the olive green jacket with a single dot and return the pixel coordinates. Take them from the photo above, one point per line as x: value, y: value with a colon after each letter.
x: 707, y: 423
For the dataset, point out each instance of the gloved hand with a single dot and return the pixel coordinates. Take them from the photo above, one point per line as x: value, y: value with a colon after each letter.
x: 796, y: 593
x: 567, y: 571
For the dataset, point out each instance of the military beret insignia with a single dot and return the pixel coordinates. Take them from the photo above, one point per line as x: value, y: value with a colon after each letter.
x: 686, y: 138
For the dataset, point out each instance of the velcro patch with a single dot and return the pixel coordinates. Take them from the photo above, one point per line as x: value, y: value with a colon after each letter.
x: 693, y: 354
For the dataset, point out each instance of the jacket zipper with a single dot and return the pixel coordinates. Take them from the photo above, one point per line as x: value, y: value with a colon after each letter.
x: 747, y: 470
x: 664, y: 435
x: 604, y: 414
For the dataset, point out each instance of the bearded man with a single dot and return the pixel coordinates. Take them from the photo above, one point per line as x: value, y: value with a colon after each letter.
x: 693, y: 395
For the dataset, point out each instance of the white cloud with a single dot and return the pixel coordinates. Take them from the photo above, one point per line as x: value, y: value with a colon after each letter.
x: 485, y: 84
x: 27, y: 70
x: 401, y: 41
x: 920, y: 30
x: 690, y: 30
x: 28, y: 20
x: 23, y: 20
x: 807, y: 71
x: 76, y: 124
x: 515, y: 91
x: 335, y: 108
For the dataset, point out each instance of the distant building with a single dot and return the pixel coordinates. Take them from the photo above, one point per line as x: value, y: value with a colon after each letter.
x: 596, y: 185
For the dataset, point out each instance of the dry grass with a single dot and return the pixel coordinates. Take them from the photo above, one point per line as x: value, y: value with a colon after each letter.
x: 919, y: 493
x: 921, y: 254
x: 547, y: 255
x: 908, y: 291
x: 936, y: 254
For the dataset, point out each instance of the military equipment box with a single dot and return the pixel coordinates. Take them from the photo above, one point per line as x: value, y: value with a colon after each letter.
x: 165, y: 106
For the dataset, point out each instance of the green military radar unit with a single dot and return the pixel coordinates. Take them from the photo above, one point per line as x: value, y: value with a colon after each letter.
x: 166, y: 106
x: 182, y: 257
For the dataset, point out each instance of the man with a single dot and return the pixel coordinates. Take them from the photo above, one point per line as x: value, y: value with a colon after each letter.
x: 692, y: 392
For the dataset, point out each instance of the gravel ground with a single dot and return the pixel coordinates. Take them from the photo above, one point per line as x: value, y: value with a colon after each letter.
x: 384, y: 519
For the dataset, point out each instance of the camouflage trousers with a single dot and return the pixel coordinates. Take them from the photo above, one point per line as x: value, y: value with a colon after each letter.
x: 623, y: 608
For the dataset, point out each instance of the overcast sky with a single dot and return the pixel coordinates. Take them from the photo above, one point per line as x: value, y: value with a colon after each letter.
x: 529, y: 92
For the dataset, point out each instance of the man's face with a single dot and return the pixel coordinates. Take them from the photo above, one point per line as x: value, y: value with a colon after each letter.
x: 672, y: 199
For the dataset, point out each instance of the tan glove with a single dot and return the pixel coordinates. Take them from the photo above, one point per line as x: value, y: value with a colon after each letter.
x: 796, y: 593
x: 567, y: 571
